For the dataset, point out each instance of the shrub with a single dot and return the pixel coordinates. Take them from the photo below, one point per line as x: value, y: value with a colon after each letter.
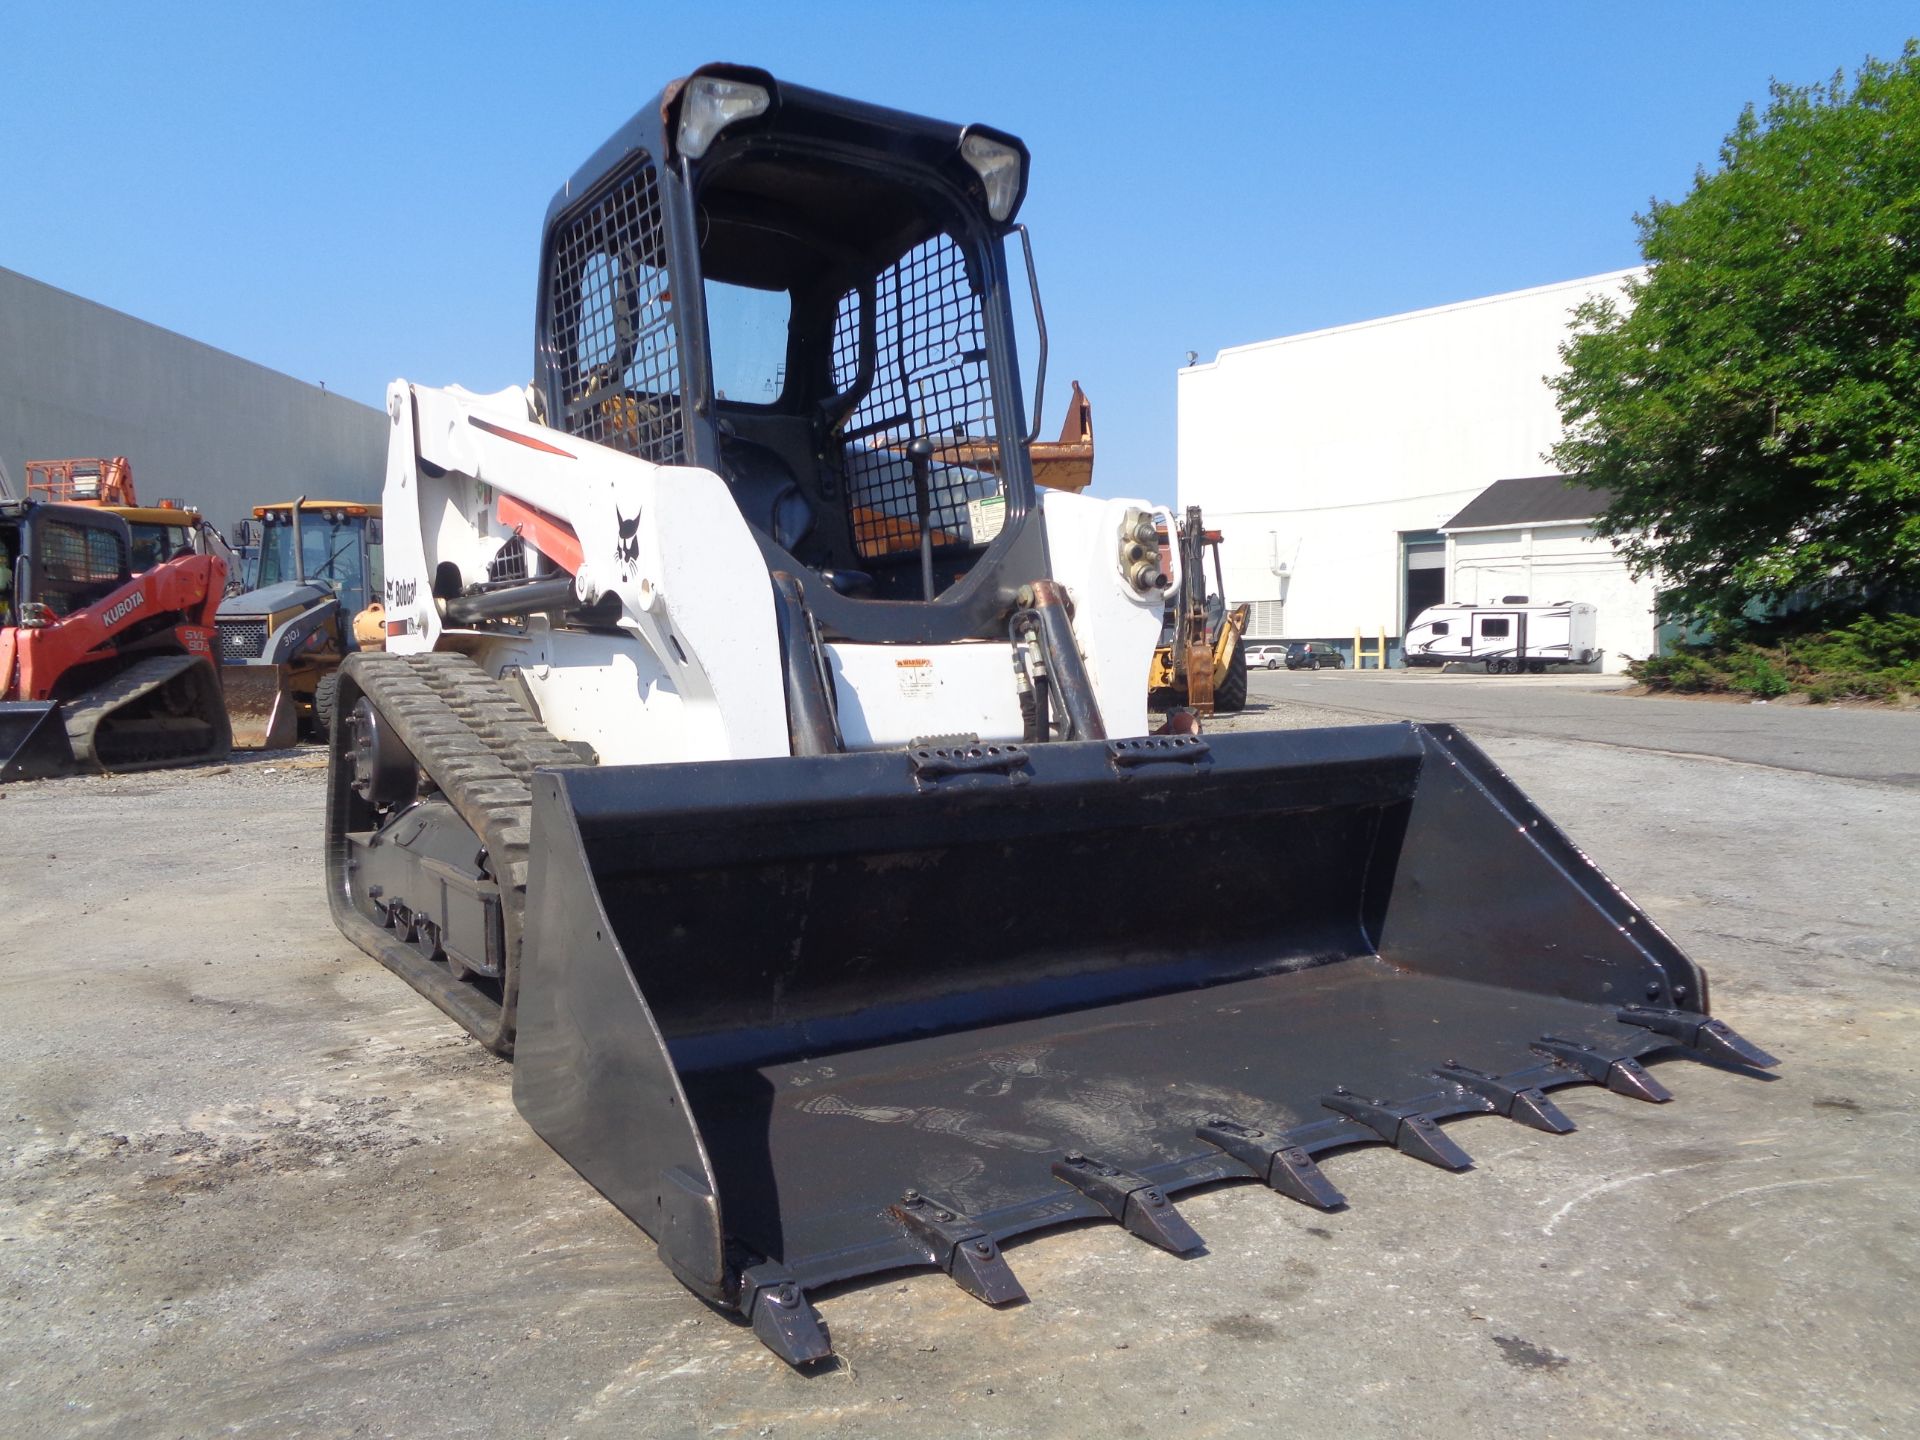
x: 1867, y: 658
x: 1867, y: 644
x: 1685, y: 673
x: 1754, y: 672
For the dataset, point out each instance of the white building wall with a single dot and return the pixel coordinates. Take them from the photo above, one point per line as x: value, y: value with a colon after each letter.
x: 1313, y: 453
x: 1558, y: 562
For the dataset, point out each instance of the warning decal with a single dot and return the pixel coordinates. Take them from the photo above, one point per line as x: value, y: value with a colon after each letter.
x: 916, y: 678
x: 986, y: 518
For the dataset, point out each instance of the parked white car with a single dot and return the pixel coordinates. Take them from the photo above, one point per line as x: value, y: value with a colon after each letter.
x: 1266, y: 657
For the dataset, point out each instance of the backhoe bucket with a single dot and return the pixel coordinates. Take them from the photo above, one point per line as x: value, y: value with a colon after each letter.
x: 33, y: 741
x: 261, y: 706
x: 812, y: 1018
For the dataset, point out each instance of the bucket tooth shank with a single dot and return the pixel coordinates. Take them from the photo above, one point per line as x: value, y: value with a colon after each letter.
x: 960, y: 1247
x: 1622, y: 1076
x: 1412, y: 1134
x: 1709, y: 1039
x: 1138, y: 1204
x: 1286, y: 1168
x: 1527, y: 1104
x: 781, y: 1316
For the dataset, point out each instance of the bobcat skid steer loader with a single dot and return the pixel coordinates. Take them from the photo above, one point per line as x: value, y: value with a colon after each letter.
x: 771, y: 776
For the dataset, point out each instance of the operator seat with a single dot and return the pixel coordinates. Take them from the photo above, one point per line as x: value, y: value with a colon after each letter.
x: 766, y: 491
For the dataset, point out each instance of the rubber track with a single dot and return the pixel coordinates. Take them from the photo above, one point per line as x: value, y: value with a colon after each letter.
x: 477, y: 744
x: 85, y: 712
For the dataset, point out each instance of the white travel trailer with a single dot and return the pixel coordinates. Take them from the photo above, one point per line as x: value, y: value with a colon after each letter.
x: 1511, y: 636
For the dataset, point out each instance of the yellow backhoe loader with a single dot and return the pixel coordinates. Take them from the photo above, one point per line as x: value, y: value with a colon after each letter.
x: 1201, y: 661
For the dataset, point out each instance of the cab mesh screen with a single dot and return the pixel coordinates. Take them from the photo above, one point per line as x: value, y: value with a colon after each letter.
x: 612, y: 326
x: 76, y: 565
x: 930, y: 378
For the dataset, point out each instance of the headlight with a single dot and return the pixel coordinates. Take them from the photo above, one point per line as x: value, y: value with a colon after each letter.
x: 998, y: 166
x: 710, y: 104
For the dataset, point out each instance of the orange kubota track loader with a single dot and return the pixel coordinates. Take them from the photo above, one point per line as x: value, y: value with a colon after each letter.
x: 100, y: 668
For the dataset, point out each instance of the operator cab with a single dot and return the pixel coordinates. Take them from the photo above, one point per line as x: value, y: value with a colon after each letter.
x: 808, y: 292
x: 62, y: 558
x: 336, y: 545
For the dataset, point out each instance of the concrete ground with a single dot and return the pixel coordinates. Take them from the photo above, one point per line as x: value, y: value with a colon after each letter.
x: 1854, y: 741
x: 254, y: 1185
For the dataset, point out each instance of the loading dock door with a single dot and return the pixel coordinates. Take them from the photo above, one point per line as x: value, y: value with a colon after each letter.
x: 1423, y: 573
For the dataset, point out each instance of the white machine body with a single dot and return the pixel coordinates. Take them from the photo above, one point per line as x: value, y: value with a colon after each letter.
x: 690, y: 667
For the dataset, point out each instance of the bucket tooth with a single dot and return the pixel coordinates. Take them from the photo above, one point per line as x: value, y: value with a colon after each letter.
x: 1709, y: 1039
x: 1295, y: 1175
x: 1628, y: 1077
x: 781, y: 1316
x: 1283, y: 1167
x: 1528, y: 1104
x: 1413, y: 1133
x: 1622, y: 1076
x: 1136, y: 1203
x: 960, y: 1247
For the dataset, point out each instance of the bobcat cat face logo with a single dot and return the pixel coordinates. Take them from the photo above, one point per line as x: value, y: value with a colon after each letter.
x: 626, y: 550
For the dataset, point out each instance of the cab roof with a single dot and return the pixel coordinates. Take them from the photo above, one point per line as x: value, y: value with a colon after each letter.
x: 352, y: 507
x: 156, y: 514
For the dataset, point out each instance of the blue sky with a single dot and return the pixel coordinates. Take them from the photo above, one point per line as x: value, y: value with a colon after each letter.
x: 354, y: 192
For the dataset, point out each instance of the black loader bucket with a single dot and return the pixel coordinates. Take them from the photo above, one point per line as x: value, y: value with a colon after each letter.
x: 808, y: 1019
x: 33, y: 740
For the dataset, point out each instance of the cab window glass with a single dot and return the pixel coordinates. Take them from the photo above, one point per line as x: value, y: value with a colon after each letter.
x: 747, y: 334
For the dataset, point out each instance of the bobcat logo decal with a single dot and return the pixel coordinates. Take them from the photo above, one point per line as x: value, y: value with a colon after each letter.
x: 626, y: 550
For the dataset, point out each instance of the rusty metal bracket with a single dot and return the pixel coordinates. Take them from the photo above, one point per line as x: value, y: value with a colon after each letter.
x: 1136, y: 1203
x: 960, y: 1247
x: 1526, y: 1103
x: 777, y: 1307
x: 1710, y: 1039
x: 1622, y: 1076
x: 1280, y: 1166
x: 1406, y: 1128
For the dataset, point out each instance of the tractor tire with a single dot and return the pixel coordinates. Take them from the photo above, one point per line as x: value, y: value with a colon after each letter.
x: 1230, y: 694
x: 325, y: 698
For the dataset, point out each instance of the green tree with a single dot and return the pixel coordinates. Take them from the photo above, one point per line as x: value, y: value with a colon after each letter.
x: 1755, y: 408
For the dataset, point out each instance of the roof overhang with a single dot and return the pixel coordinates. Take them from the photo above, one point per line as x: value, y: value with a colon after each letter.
x: 1515, y: 525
